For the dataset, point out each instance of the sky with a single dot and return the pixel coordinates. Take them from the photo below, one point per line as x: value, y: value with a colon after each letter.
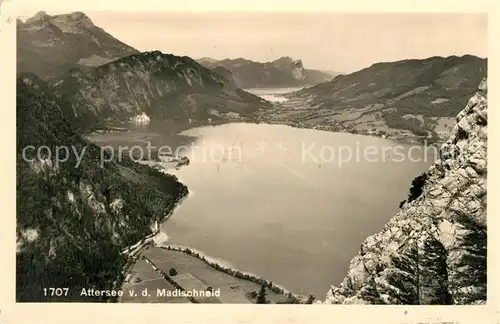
x: 340, y: 42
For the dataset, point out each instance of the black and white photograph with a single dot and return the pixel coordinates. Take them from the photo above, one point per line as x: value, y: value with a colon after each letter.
x: 318, y: 158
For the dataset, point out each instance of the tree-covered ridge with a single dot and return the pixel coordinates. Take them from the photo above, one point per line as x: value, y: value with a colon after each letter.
x: 163, y: 86
x: 416, y: 96
x: 72, y: 222
x: 408, y: 85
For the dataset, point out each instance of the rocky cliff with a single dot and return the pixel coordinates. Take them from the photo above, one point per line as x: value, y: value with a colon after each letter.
x: 283, y: 72
x: 295, y: 67
x: 74, y: 217
x: 163, y: 86
x: 51, y: 45
x: 434, y: 250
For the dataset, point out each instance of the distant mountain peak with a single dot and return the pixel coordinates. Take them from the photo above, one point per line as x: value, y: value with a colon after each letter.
x: 284, y: 71
x: 206, y: 59
x: 51, y: 45
x: 285, y: 58
x: 74, y: 22
x: 38, y: 17
x: 77, y: 15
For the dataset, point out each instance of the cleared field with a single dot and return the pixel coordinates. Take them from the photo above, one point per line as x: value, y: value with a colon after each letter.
x: 444, y: 124
x: 143, y: 271
x: 144, y: 279
x: 195, y: 274
x: 190, y: 282
x: 147, y: 292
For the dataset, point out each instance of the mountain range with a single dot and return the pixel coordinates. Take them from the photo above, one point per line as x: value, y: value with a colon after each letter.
x: 72, y: 222
x: 163, y: 86
x: 406, y: 84
x: 283, y: 72
x: 409, y: 100
x: 103, y: 80
x: 51, y: 45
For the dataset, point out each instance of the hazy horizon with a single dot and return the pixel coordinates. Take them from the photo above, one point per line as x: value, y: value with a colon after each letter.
x: 344, y: 42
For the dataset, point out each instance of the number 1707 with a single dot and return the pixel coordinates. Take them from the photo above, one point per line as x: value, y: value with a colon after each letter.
x: 55, y: 291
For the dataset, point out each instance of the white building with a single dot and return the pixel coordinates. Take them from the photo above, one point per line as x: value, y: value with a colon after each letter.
x: 142, y: 119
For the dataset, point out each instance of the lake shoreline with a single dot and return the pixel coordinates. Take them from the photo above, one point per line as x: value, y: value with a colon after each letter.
x: 156, y: 240
x: 217, y: 264
x: 134, y: 252
x: 231, y: 270
x: 402, y: 138
x: 327, y: 128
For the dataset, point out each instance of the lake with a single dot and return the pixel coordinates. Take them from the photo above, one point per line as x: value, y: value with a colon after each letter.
x: 273, y: 94
x: 290, y: 205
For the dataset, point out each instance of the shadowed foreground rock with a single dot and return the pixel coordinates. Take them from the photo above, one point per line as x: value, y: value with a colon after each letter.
x: 434, y: 250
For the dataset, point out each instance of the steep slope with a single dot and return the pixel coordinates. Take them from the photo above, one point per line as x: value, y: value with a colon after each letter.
x: 411, y: 100
x: 74, y: 217
x: 409, y: 85
x: 51, y: 45
x: 283, y: 72
x: 163, y: 86
x: 294, y: 67
x: 226, y: 74
x: 313, y: 77
x: 434, y: 250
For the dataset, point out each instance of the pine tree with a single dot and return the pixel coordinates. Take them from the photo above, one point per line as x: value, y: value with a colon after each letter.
x: 261, y: 297
x: 310, y: 299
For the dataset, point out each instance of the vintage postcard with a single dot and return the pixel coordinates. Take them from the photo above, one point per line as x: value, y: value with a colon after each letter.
x: 169, y: 156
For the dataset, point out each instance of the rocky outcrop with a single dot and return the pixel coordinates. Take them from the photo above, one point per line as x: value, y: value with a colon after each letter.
x: 434, y: 250
x: 163, y: 86
x: 295, y: 67
x: 51, y: 45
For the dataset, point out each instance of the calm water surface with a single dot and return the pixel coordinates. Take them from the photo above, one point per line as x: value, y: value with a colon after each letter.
x: 272, y: 94
x: 286, y: 204
x: 290, y: 205
x: 271, y: 200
